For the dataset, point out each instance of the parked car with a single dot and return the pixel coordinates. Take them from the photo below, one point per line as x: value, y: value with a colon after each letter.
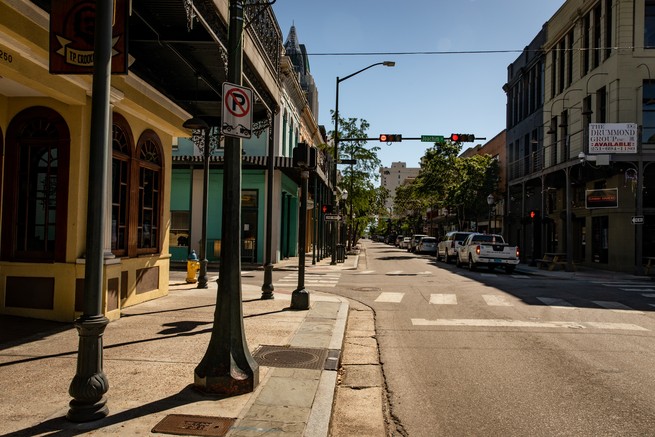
x: 447, y: 247
x: 414, y: 242
x: 399, y: 240
x: 487, y: 250
x: 427, y: 245
x: 405, y: 243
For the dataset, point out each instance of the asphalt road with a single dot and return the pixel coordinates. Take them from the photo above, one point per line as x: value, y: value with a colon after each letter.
x: 479, y: 353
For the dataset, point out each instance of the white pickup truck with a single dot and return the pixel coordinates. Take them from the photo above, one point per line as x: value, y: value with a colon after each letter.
x: 489, y: 250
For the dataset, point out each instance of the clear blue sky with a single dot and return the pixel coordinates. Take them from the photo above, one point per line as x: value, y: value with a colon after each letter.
x: 434, y: 94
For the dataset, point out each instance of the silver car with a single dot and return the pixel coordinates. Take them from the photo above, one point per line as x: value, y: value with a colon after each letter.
x: 427, y: 245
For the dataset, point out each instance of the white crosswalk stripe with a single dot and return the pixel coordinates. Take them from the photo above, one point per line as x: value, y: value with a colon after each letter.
x: 443, y: 299
x: 556, y: 303
x: 365, y: 272
x: 390, y: 297
x: 395, y: 272
x: 616, y: 307
x: 496, y: 301
x: 311, y: 280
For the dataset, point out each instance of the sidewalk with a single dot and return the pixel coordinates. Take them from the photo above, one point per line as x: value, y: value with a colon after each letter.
x: 581, y: 272
x: 150, y: 355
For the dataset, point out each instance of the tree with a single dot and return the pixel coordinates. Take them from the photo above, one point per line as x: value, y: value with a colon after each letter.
x: 364, y: 199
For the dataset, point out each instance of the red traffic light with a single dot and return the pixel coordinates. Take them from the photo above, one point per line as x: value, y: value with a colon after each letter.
x: 390, y: 138
x: 462, y: 138
x: 534, y: 213
x: 326, y: 209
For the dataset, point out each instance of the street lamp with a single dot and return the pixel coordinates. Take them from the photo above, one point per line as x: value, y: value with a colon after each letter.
x: 198, y: 124
x: 490, y: 202
x: 336, y: 145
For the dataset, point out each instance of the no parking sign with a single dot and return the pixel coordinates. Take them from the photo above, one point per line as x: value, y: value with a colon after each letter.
x: 236, y: 116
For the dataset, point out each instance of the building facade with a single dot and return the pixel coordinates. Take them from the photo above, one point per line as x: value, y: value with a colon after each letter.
x: 393, y: 177
x: 171, y: 75
x: 580, y: 136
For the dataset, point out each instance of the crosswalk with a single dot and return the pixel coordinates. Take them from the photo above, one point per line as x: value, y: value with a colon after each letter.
x: 497, y: 300
x: 327, y: 279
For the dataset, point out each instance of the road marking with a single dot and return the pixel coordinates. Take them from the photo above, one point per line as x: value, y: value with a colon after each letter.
x: 648, y: 295
x: 500, y: 323
x: 556, y: 303
x: 365, y: 272
x: 638, y: 289
x: 496, y: 301
x: 395, y: 272
x: 520, y: 276
x: 617, y: 326
x: 616, y: 307
x: 443, y: 299
x: 495, y: 323
x: 390, y: 297
x: 424, y: 273
x: 311, y: 279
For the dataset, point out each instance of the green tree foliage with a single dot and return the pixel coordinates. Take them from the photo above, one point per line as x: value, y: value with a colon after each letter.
x: 364, y: 201
x: 447, y: 180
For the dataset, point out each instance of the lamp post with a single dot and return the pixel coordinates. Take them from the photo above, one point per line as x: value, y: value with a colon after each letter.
x: 344, y: 196
x: 300, y: 296
x: 490, y: 202
x: 196, y: 123
x: 336, y: 146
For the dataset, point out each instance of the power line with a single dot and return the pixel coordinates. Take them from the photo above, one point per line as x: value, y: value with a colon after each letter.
x: 470, y: 52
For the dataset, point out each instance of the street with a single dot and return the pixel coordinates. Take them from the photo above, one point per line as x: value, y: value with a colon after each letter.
x: 487, y: 353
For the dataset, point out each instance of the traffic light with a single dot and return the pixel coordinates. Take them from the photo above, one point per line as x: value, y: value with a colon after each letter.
x: 390, y: 138
x: 326, y: 209
x: 534, y: 215
x: 304, y: 156
x: 462, y: 138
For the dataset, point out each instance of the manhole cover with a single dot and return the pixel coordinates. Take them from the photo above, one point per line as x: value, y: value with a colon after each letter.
x: 184, y: 424
x: 297, y: 358
x: 367, y: 289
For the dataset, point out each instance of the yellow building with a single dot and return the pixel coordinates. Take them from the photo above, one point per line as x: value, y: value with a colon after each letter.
x: 45, y: 135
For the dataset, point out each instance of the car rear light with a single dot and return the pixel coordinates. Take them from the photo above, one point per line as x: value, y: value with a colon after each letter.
x: 477, y: 250
x: 517, y: 251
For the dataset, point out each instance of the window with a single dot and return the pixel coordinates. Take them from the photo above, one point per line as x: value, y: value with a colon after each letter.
x: 136, y: 196
x: 608, y: 28
x: 586, y: 53
x: 601, y: 102
x: 149, y: 193
x: 648, y: 112
x: 122, y: 146
x: 180, y: 228
x: 36, y: 190
x: 649, y: 24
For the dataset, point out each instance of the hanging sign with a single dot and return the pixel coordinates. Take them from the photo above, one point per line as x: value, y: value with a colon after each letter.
x: 72, y: 31
x: 236, y: 116
x: 602, y: 198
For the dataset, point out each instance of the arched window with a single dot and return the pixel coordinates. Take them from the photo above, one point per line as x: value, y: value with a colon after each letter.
x: 35, y: 197
x: 149, y: 165
x: 122, y: 149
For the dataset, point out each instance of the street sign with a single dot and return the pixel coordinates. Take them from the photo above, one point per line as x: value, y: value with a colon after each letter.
x: 236, y: 116
x: 432, y: 138
x: 333, y: 217
x: 638, y: 220
x: 348, y: 161
x: 310, y: 204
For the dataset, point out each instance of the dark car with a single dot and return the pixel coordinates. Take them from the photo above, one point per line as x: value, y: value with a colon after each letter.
x: 447, y: 247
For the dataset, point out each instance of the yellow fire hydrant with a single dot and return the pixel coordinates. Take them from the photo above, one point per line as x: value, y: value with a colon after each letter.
x: 192, y: 267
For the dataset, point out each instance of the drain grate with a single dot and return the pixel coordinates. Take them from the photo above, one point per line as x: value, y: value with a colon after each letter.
x: 367, y: 289
x: 292, y: 357
x: 185, y: 424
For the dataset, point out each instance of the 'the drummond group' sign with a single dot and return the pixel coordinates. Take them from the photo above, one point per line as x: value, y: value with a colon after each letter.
x: 613, y: 138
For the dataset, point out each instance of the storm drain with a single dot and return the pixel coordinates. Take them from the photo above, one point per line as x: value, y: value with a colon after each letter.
x: 184, y: 424
x: 291, y: 357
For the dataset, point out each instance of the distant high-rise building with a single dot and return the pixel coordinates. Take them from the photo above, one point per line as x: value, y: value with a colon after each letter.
x: 298, y: 54
x: 393, y: 177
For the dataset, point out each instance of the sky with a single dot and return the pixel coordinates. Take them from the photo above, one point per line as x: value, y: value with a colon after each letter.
x: 423, y: 94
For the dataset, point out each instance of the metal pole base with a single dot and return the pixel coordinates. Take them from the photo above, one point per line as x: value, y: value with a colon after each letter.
x: 267, y: 287
x: 232, y: 383
x: 202, y: 276
x: 300, y: 299
x: 90, y: 382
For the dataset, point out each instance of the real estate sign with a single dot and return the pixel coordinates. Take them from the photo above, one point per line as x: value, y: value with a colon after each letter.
x: 613, y: 137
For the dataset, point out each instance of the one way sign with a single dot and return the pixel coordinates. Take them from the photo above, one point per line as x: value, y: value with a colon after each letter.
x: 638, y: 220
